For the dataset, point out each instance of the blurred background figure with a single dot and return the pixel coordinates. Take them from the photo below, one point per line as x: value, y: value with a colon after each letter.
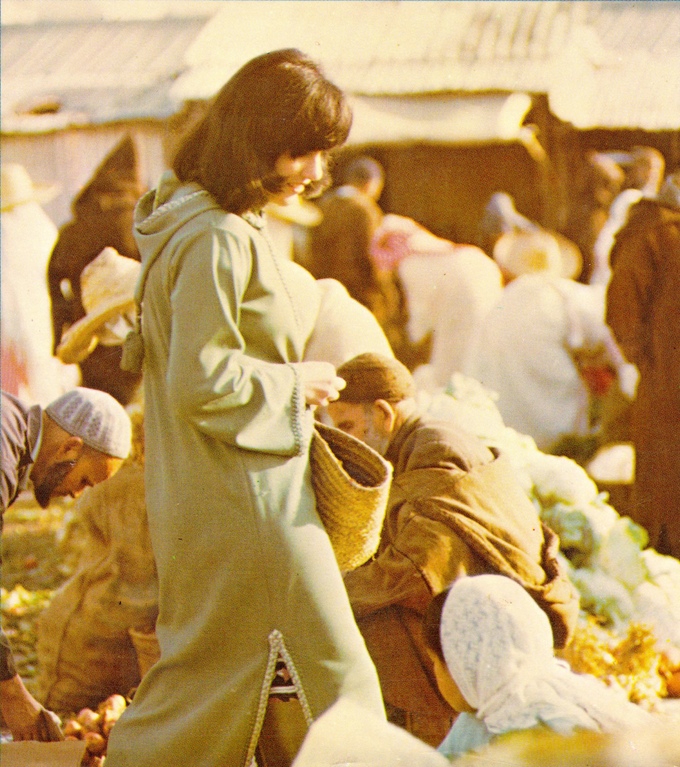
x: 102, y: 217
x: 599, y: 181
x: 541, y: 340
x: 340, y: 244
x: 501, y: 216
x: 644, y: 168
x: 449, y: 289
x: 644, y: 314
x: 107, y: 286
x: 340, y: 247
x: 29, y: 369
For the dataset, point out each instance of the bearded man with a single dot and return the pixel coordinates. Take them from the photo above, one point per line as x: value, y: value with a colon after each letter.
x: 77, y: 441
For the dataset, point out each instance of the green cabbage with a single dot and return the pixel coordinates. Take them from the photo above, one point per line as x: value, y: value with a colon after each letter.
x: 581, y: 530
x: 618, y: 579
x: 603, y: 595
x: 620, y: 552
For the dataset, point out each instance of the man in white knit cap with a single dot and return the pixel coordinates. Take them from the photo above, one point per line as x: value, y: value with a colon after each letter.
x: 77, y: 441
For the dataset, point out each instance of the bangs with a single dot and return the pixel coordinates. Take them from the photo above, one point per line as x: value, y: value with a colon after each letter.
x: 311, y: 115
x: 320, y: 126
x: 277, y: 104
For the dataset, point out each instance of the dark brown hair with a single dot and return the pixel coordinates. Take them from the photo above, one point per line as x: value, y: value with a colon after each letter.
x: 275, y: 104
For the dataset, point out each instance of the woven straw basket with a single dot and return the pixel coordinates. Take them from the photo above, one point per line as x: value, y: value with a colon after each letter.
x: 351, y: 482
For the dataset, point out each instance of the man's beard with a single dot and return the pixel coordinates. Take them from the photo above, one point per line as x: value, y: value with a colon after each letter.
x: 52, y: 480
x: 373, y: 438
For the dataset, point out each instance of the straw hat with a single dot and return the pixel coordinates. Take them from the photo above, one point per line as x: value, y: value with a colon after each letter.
x: 107, y: 289
x: 17, y: 188
x: 518, y: 253
x: 351, y: 483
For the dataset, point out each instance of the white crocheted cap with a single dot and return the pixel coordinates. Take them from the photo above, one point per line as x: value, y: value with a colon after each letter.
x: 497, y: 643
x: 492, y: 631
x: 96, y: 417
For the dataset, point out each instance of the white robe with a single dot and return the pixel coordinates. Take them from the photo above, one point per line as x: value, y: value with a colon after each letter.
x: 344, y: 327
x: 525, y: 354
x: 450, y: 294
x: 27, y: 238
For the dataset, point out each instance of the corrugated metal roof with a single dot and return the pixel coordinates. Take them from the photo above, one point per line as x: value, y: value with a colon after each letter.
x: 97, y: 71
x: 633, y: 81
x: 380, y: 48
x: 608, y: 64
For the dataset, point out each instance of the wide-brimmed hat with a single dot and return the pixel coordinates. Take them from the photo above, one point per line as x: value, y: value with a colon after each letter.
x: 518, y: 253
x: 17, y: 187
x: 352, y: 483
x: 107, y: 286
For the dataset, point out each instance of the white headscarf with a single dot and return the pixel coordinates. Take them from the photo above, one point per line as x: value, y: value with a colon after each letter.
x: 498, y: 647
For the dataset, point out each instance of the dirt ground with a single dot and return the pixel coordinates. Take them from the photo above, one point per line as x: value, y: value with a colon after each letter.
x: 39, y: 552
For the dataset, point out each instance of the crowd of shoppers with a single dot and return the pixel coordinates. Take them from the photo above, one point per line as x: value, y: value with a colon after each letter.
x: 240, y: 351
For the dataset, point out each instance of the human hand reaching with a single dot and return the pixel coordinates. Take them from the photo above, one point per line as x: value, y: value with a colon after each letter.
x: 25, y: 717
x: 320, y: 384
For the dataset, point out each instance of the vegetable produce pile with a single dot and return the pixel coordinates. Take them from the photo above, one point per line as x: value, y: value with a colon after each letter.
x: 94, y: 727
x: 629, y: 631
x: 20, y: 609
x: 37, y: 557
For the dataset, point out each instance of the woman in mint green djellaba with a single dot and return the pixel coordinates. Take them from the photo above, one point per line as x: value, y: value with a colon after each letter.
x: 246, y: 570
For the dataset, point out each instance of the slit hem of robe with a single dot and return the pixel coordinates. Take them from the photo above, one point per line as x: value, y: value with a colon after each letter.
x: 277, y: 647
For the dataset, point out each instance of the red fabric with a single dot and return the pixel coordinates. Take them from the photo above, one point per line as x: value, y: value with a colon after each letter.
x: 13, y: 374
x: 598, y: 379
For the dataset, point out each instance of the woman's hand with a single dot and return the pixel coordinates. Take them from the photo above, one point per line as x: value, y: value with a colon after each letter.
x: 320, y: 384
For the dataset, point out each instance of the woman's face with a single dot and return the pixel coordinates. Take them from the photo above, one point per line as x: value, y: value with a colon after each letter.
x: 297, y: 173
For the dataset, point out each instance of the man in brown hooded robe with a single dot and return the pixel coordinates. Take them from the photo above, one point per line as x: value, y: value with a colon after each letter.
x: 644, y: 314
x: 102, y: 216
x: 455, y: 508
